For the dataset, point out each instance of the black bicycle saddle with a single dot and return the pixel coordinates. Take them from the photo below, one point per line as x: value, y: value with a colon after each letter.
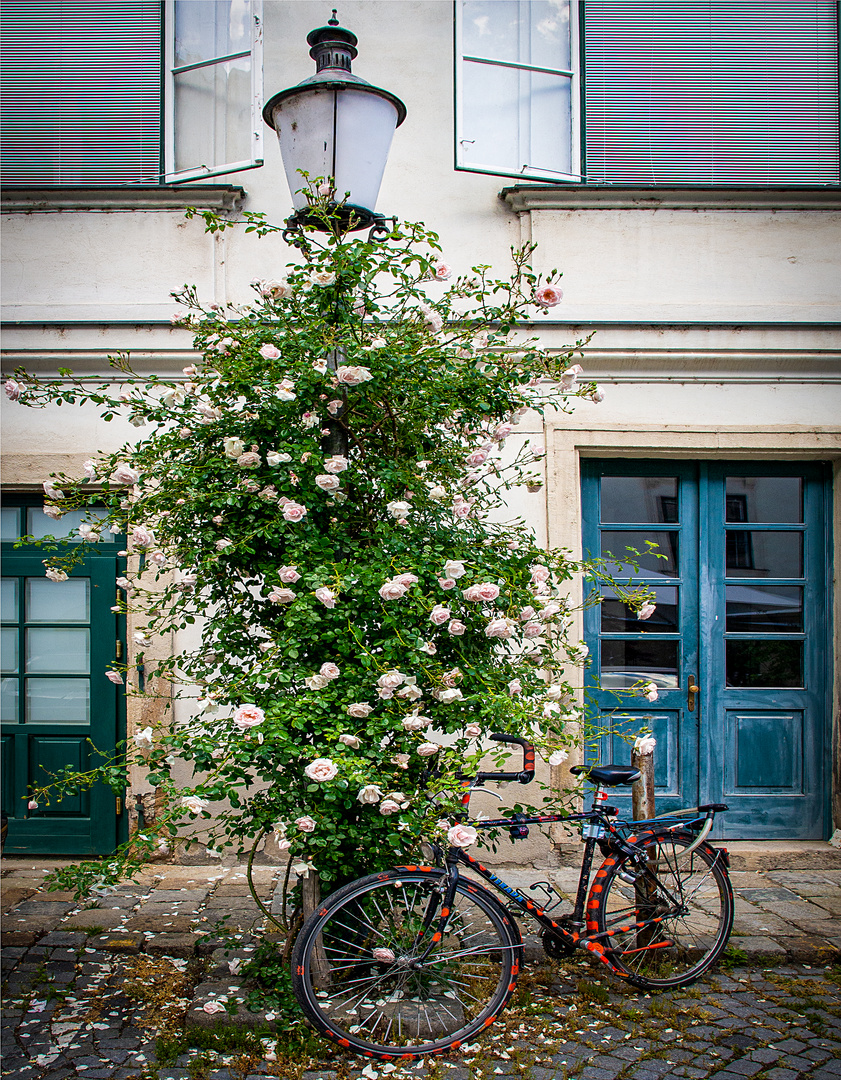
x: 607, y: 774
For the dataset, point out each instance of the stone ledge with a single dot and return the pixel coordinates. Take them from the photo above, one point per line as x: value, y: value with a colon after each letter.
x: 25, y: 200
x: 522, y: 198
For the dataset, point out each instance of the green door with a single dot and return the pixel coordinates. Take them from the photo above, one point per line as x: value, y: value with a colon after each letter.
x: 58, y: 639
x: 741, y: 578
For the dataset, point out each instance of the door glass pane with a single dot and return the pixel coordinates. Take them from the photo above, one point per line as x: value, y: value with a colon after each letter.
x: 9, y: 701
x: 57, y: 601
x: 9, y: 649
x: 661, y: 561
x: 757, y: 609
x: 57, y: 701
x: 643, y: 499
x: 751, y: 553
x: 776, y: 499
x: 9, y: 599
x: 9, y: 523
x: 625, y: 663
x: 764, y: 663
x: 618, y: 618
x: 38, y: 524
x: 58, y: 651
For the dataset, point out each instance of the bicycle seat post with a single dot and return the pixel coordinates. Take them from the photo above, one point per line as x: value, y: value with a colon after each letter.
x: 594, y: 830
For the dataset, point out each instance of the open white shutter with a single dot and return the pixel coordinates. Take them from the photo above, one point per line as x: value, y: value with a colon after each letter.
x: 214, y: 88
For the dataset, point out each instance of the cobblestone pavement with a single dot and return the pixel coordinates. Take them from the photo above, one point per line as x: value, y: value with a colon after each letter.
x: 87, y: 987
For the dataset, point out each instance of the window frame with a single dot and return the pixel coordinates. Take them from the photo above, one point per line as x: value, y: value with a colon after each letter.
x: 576, y: 114
x: 201, y: 172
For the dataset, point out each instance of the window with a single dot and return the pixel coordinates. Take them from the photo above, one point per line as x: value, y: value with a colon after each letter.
x: 130, y: 92
x: 697, y: 92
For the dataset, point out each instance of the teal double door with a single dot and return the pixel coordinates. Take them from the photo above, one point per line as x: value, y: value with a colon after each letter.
x: 739, y: 650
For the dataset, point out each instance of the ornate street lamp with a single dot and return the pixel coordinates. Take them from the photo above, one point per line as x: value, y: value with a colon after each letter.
x: 338, y: 126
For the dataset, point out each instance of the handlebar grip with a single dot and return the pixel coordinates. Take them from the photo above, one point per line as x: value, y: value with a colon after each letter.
x: 526, y: 775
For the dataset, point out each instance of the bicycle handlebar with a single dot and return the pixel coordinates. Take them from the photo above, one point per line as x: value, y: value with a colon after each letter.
x: 525, y: 775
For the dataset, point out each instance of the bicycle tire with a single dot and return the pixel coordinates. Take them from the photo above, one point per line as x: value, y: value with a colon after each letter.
x: 666, y: 925
x: 384, y: 1008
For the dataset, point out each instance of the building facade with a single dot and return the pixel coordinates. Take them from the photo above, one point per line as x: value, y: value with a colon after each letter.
x: 680, y: 164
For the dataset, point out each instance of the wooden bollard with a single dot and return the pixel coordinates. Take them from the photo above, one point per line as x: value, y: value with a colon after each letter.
x: 642, y: 791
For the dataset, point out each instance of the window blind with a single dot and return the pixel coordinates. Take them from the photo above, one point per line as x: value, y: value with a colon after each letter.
x: 81, y: 87
x: 716, y: 92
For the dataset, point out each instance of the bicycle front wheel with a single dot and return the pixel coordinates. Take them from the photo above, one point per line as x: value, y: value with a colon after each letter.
x: 372, y: 973
x: 664, y: 916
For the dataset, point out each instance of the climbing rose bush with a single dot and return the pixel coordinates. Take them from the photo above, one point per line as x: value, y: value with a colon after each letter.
x: 321, y: 497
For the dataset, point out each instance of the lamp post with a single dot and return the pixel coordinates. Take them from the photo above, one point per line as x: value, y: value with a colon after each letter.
x: 338, y: 126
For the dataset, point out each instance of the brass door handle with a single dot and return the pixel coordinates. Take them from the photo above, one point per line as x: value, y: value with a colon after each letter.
x: 691, y: 690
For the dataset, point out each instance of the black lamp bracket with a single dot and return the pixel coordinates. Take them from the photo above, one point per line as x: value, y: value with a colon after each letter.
x: 348, y: 219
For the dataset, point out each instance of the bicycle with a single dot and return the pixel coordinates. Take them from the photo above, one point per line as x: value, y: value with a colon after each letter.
x: 418, y: 960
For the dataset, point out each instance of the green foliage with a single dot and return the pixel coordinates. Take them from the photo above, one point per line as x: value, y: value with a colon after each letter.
x: 317, y: 512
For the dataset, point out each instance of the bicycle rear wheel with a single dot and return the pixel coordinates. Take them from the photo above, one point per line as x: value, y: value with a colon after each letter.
x: 665, y: 916
x: 362, y: 974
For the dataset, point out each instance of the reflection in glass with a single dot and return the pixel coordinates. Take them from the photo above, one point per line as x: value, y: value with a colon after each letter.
x: 57, y: 701
x: 9, y: 649
x: 9, y: 523
x: 625, y: 663
x: 754, y: 553
x: 618, y: 618
x: 758, y: 609
x: 643, y: 499
x: 215, y: 103
x: 9, y: 701
x: 9, y: 599
x: 764, y: 663
x: 775, y: 499
x: 662, y: 561
x: 38, y: 524
x: 537, y: 33
x: 205, y: 31
x: 57, y: 601
x: 58, y: 651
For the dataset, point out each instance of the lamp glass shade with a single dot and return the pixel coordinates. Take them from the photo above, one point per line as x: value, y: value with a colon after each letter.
x: 344, y: 133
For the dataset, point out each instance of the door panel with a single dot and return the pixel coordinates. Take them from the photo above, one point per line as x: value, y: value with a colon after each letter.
x: 59, y: 639
x: 743, y: 609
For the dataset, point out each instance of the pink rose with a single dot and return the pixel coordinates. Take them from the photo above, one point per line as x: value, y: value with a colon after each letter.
x: 288, y: 574
x: 502, y: 431
x: 406, y: 579
x: 157, y: 558
x: 248, y: 716
x: 336, y: 464
x: 462, y: 835
x: 651, y: 692
x: 446, y: 583
x: 248, y: 460
x: 282, y: 596
x: 391, y: 679
x: 142, y: 537
x: 352, y: 376
x: 327, y: 482
x: 13, y: 390
x: 646, y: 611
x: 224, y: 543
x: 329, y: 671
x: 439, y: 614
x: 539, y: 573
x: 392, y: 590
x: 452, y: 677
x: 322, y: 769
x: 427, y: 749
x: 428, y: 647
x: 351, y: 741
x: 462, y: 506
x: 481, y: 593
x: 473, y: 731
x: 369, y: 794
x: 334, y: 408
x: 360, y: 709
x: 569, y: 377
x: 115, y: 677
x: 532, y: 630
x: 527, y: 613
x: 389, y: 806
x: 316, y: 682
x: 293, y: 511
x: 410, y: 693
x: 305, y: 823
x: 326, y: 596
x: 597, y: 395
x: 443, y: 271
x: 275, y: 290
x: 447, y: 697
x: 548, y: 296
x: 456, y: 628
x: 270, y: 352
x: 478, y: 457
x: 414, y: 722
x: 124, y: 474
x: 454, y: 569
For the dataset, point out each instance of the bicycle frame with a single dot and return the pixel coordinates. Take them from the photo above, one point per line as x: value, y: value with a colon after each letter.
x: 572, y: 927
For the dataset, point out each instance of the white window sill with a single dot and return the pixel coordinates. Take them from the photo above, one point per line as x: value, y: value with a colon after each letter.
x: 17, y: 200
x: 523, y: 198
